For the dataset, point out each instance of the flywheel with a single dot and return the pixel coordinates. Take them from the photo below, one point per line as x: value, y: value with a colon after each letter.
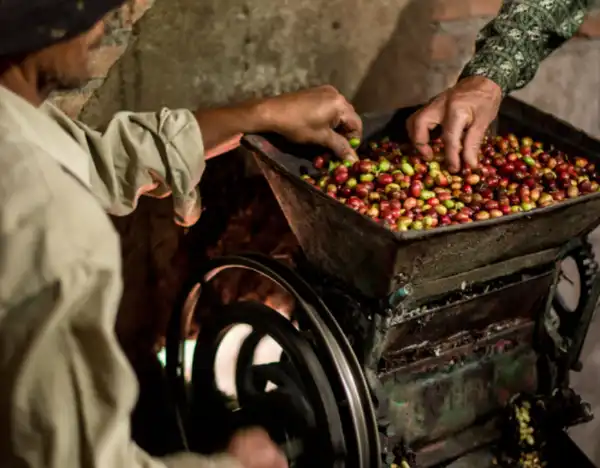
x: 313, y: 400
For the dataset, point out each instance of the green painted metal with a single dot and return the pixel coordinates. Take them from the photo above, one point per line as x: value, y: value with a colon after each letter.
x: 433, y: 406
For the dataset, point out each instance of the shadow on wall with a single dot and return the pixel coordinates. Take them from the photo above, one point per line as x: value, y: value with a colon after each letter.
x: 400, y: 74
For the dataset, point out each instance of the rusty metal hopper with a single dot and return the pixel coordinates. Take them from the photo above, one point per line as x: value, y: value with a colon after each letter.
x: 375, y: 261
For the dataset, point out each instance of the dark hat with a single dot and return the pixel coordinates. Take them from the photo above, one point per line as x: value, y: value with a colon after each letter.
x: 30, y: 25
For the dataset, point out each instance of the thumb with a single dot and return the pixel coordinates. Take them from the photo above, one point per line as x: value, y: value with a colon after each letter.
x: 339, y: 145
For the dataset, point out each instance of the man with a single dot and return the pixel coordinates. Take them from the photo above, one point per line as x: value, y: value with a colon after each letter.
x: 66, y: 389
x: 508, y: 53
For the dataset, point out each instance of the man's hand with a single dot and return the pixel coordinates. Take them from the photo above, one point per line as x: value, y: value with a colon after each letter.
x: 253, y: 448
x: 464, y: 112
x: 319, y: 116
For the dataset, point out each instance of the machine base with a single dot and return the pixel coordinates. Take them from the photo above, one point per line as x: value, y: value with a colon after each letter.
x: 566, y: 454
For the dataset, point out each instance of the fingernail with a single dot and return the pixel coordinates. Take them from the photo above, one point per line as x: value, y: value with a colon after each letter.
x: 427, y: 155
x: 351, y: 156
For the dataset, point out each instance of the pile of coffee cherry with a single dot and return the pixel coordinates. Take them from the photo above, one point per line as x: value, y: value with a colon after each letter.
x: 395, y: 186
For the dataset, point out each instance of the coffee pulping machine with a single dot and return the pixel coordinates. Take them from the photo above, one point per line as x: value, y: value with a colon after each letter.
x: 402, y: 348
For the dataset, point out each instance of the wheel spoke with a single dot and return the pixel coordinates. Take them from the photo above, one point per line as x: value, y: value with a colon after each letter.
x: 281, y: 374
x: 303, y: 399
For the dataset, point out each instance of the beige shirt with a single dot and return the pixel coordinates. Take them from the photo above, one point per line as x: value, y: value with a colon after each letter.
x: 66, y: 388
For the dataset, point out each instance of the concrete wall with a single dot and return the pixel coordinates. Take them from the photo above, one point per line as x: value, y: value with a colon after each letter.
x: 381, y: 53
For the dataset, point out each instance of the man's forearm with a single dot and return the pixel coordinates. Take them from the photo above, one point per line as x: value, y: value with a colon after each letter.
x: 510, y: 48
x: 221, y: 125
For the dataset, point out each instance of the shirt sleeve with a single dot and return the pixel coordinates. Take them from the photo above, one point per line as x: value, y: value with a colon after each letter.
x: 67, y: 390
x: 154, y: 153
x: 510, y: 49
x: 74, y: 390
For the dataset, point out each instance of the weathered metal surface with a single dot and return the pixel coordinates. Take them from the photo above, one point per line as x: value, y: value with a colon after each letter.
x: 479, y: 459
x: 464, y: 445
x: 351, y: 247
x: 422, y: 292
x: 563, y: 453
x: 434, y: 324
x: 435, y: 405
x: 460, y: 355
x: 461, y: 348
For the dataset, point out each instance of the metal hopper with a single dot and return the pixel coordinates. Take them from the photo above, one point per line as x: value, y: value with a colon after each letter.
x: 377, y: 262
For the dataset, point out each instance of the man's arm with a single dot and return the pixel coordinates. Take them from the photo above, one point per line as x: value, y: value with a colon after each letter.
x: 510, y: 48
x: 163, y: 153
x: 71, y: 391
x: 509, y: 51
x: 66, y: 390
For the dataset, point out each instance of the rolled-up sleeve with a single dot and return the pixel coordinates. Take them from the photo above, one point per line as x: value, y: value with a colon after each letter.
x: 153, y: 153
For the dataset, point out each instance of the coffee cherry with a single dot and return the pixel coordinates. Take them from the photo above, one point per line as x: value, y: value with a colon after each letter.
x: 394, y: 186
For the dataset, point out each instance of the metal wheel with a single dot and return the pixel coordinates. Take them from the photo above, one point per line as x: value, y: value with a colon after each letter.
x: 300, y: 413
x: 319, y: 382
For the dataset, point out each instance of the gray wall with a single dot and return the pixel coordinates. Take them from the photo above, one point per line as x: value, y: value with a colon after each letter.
x: 381, y: 53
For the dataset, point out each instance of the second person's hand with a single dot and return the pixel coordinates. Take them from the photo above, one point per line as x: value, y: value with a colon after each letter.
x: 464, y: 111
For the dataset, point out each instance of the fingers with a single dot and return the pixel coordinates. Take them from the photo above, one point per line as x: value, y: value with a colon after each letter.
x: 351, y: 121
x: 421, y: 123
x: 265, y: 454
x: 454, y: 124
x: 255, y: 449
x: 472, y: 144
x: 340, y: 112
x: 349, y: 124
x: 339, y: 145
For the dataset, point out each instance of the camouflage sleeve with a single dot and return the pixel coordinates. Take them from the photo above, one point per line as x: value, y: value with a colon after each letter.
x: 511, y: 47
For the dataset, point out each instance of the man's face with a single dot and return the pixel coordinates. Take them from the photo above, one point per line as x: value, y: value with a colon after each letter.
x: 66, y: 65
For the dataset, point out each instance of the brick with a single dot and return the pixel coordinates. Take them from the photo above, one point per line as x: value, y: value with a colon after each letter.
x: 452, y: 10
x: 443, y: 47
x: 104, y: 58
x: 591, y: 26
